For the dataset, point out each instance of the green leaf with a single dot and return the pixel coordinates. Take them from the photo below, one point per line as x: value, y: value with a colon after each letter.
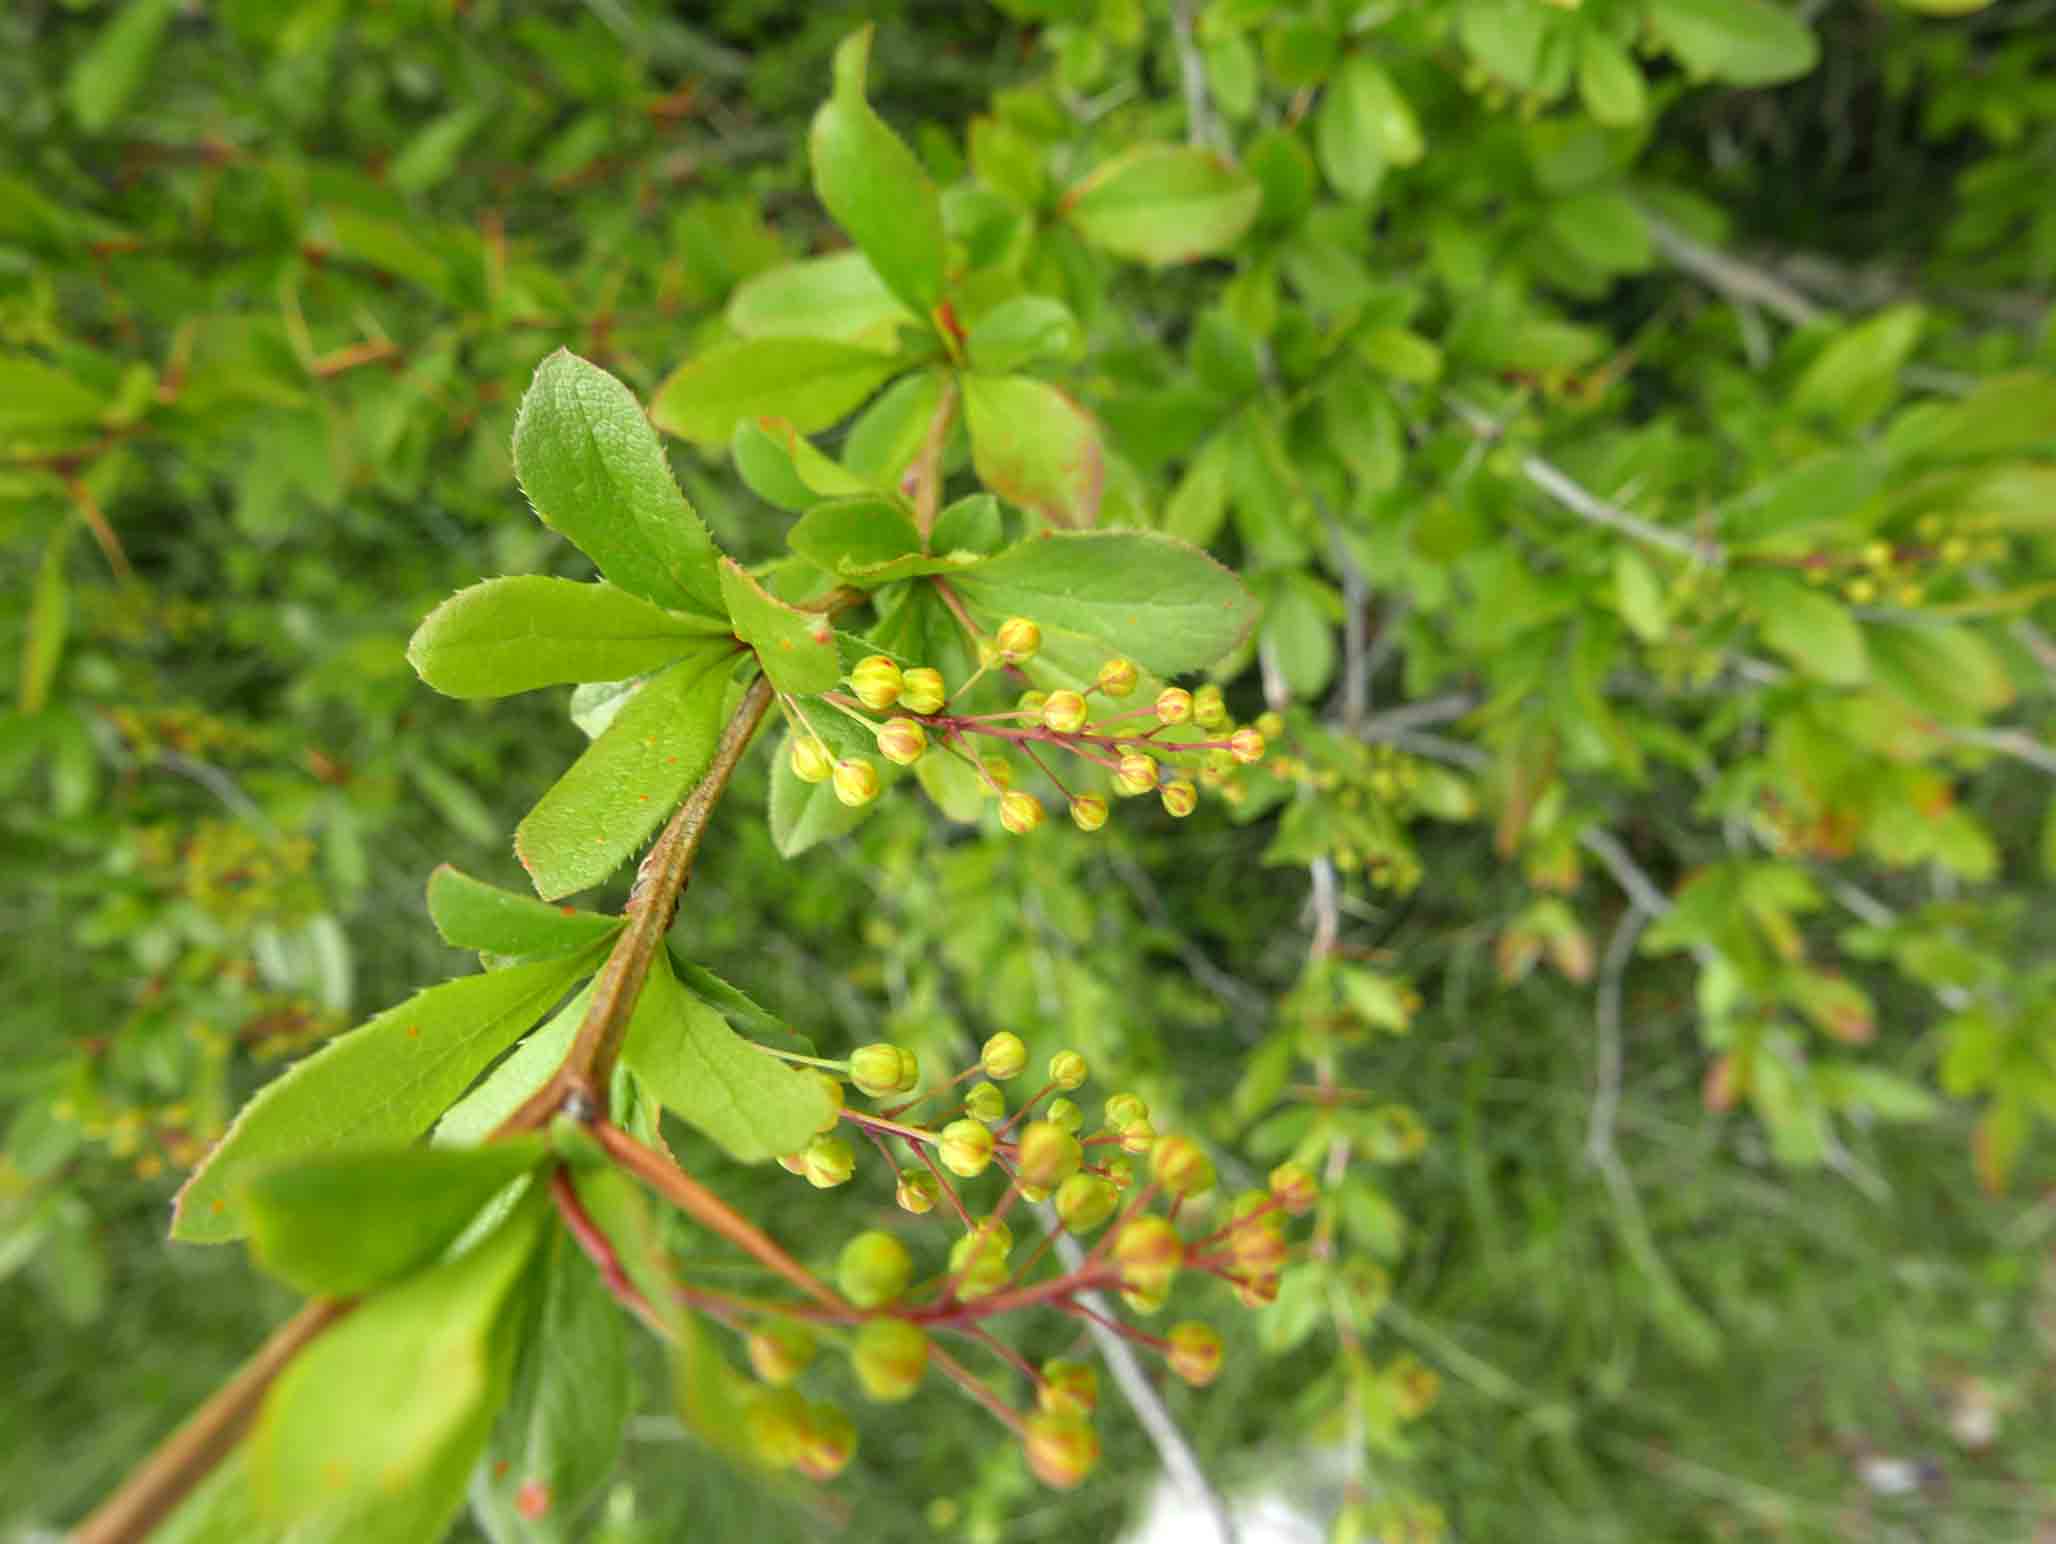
x: 1163, y: 204
x: 1610, y: 82
x: 1346, y: 145
x: 803, y: 814
x: 35, y: 395
x: 628, y: 780
x: 371, y: 1431
x: 474, y: 1118
x: 1603, y: 227
x: 1638, y: 595
x: 1742, y: 42
x: 1034, y: 446
x: 971, y: 525
x: 1023, y: 331
x: 595, y: 471
x: 1375, y: 108
x: 106, y: 75
x: 750, y: 1103
x: 1854, y: 378
x: 712, y: 1399
x: 811, y: 382
x: 886, y: 437
x: 384, y: 1082
x: 1947, y: 672
x: 1165, y: 605
x: 796, y: 648
x: 567, y: 1413
x: 471, y: 914
x: 516, y: 634
x: 782, y: 467
x: 744, y: 1012
x: 1300, y: 633
x: 875, y: 186
x: 870, y: 541
x: 839, y: 296
x: 1815, y: 493
x: 344, y: 1223
x: 1809, y: 628
x: 49, y: 620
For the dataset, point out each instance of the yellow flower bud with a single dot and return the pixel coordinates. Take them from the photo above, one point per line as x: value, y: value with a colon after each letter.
x: 1173, y: 705
x: 1068, y: 1387
x: 780, y: 1351
x: 1209, y: 708
x: 830, y: 1443
x: 965, y: 1148
x: 1047, y: 1155
x: 999, y: 772
x: 901, y: 741
x: 1137, y: 775
x: 856, y: 781
x: 889, y: 1358
x: 1064, y: 1115
x: 1195, y: 1353
x: 1085, y: 1202
x: 922, y: 690
x: 1064, y: 711
x: 832, y: 1089
x: 1138, y: 1137
x: 918, y: 1191
x: 1068, y: 1070
x: 879, y: 1069
x: 876, y: 681
x: 830, y: 1161
x: 1148, y: 1253
x: 1005, y: 1056
x: 1246, y: 746
x: 873, y: 1269
x: 1180, y: 797
x: 810, y: 759
x: 1061, y: 1449
x: 1018, y: 638
x: 985, y: 1102
x: 1293, y: 1185
x: 1088, y: 812
x: 1181, y: 1166
x: 1118, y: 677
x: 1019, y: 812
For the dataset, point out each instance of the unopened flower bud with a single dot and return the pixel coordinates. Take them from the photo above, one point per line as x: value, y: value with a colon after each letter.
x: 922, y: 691
x: 810, y: 759
x: 879, y: 1069
x: 1124, y: 1110
x: 1246, y: 746
x: 830, y: 1161
x: 1117, y: 677
x: 978, y: 1261
x: 1270, y: 724
x: 985, y: 1102
x: 1031, y: 701
x: 1148, y: 1252
x: 856, y: 781
x: 965, y: 1148
x: 1088, y: 812
x: 1146, y: 1300
x: 1085, y: 1202
x: 831, y: 1442
x: 1120, y: 1172
x: 1180, y: 797
x: 1018, y: 638
x: 1256, y: 1236
x: 876, y: 682
x: 793, y: 1163
x: 999, y: 772
x: 873, y: 1269
x: 1295, y: 1188
x: 1209, y: 708
x: 1137, y: 774
x: 1257, y: 1291
x: 901, y: 741
x: 1068, y: 1387
x: 1068, y: 1070
x: 1019, y: 812
x: 918, y: 1191
x: 1138, y: 1137
x: 1061, y: 1449
x: 1064, y: 1115
x: 1047, y: 1155
x: 1181, y: 1166
x: 889, y: 1357
x: 776, y: 1426
x: 831, y: 1090
x: 1195, y: 1353
x: 1004, y: 1056
x: 780, y: 1351
x: 1173, y: 705
x: 1064, y: 711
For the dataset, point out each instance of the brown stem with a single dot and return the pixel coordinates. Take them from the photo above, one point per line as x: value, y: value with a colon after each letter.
x: 928, y: 465
x: 974, y: 1385
x: 96, y: 522
x: 600, y: 1250
x: 154, y: 1490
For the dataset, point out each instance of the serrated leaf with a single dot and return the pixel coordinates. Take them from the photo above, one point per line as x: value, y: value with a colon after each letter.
x: 782, y: 467
x: 528, y: 631
x: 471, y: 914
x: 839, y: 296
x: 1742, y: 42
x: 1034, y: 446
x: 744, y: 1012
x: 795, y: 647
x: 810, y: 382
x: 867, y: 542
x: 751, y: 1104
x: 1163, y: 204
x: 343, y: 1223
x: 1165, y: 605
x: 627, y: 781
x: 594, y: 469
x: 384, y: 1082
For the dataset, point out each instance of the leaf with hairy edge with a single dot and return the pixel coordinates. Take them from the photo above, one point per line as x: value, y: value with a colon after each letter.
x: 471, y: 914
x: 795, y: 647
x: 517, y: 634
x: 343, y: 1223
x: 783, y: 468
x: 371, y: 1431
x: 811, y: 382
x: 628, y: 780
x: 475, y: 1117
x: 751, y: 1104
x: 839, y: 296
x: 383, y: 1083
x: 1165, y: 605
x: 1163, y: 204
x: 595, y: 471
x: 744, y: 1012
x: 875, y: 186
x: 866, y: 541
x: 1035, y: 446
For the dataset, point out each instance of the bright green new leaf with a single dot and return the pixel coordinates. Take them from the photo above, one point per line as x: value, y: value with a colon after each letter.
x: 782, y: 467
x: 1638, y: 595
x: 1345, y: 145
x: 620, y: 1210
x: 866, y: 542
x: 885, y: 438
x: 744, y: 1012
x: 1610, y: 83
x: 711, y: 1397
x: 627, y: 781
x: 371, y: 1431
x: 108, y: 73
x: 1812, y: 630
x: 595, y: 471
x: 811, y: 382
x: 839, y: 296
x: 1033, y: 445
x: 796, y: 648
x: 875, y: 186
x: 1165, y: 605
x: 1948, y: 672
x: 1853, y: 379
x: 1377, y: 109
x: 972, y: 524
x: 474, y: 1118
x: 340, y: 1224
x: 384, y: 1082
x: 1023, y: 331
x: 471, y: 914
x: 749, y: 1102
x: 519, y: 633
x: 1163, y: 204
x: 35, y: 395
x: 49, y: 620
x: 1742, y: 42
x: 1791, y: 508
x: 1603, y: 227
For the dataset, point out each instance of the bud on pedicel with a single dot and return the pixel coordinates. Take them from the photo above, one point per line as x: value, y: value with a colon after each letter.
x: 999, y: 772
x: 901, y: 741
x: 780, y: 1351
x: 1137, y: 774
x: 1064, y: 711
x: 1148, y: 1252
x: 1118, y: 677
x: 830, y: 1161
x: 810, y: 759
x: 856, y: 781
x: 985, y: 1102
x: 1209, y: 708
x: 889, y: 1358
x: 1031, y: 701
x: 831, y: 1442
x: 1068, y: 1070
x: 1018, y: 638
x: 1120, y: 1172
x: 876, y: 682
x: 878, y: 1069
x: 776, y: 1426
x: 1061, y: 1449
x: 831, y: 1089
x: 965, y: 1148
x: 1181, y: 1166
x: 1270, y: 724
x: 1088, y: 812
x: 1294, y: 1187
x: 1257, y: 1291
x: 1019, y: 812
x: 1138, y: 1137
x: 1068, y: 1388
x: 1246, y: 746
x: 1004, y: 1056
x: 793, y: 1163
x: 1180, y: 797
x: 918, y: 1191
x: 922, y: 690
x: 873, y: 1269
x: 1173, y: 705
x: 1047, y: 1155
x: 1124, y: 1110
x: 1085, y: 1201
x: 978, y: 1261
x: 1256, y: 1237
x: 1195, y: 1353
x: 1064, y: 1115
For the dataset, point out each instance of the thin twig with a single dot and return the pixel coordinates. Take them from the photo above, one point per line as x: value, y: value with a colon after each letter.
x: 1394, y: 723
x: 1606, y: 1090
x: 1199, y: 113
x: 1733, y: 278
